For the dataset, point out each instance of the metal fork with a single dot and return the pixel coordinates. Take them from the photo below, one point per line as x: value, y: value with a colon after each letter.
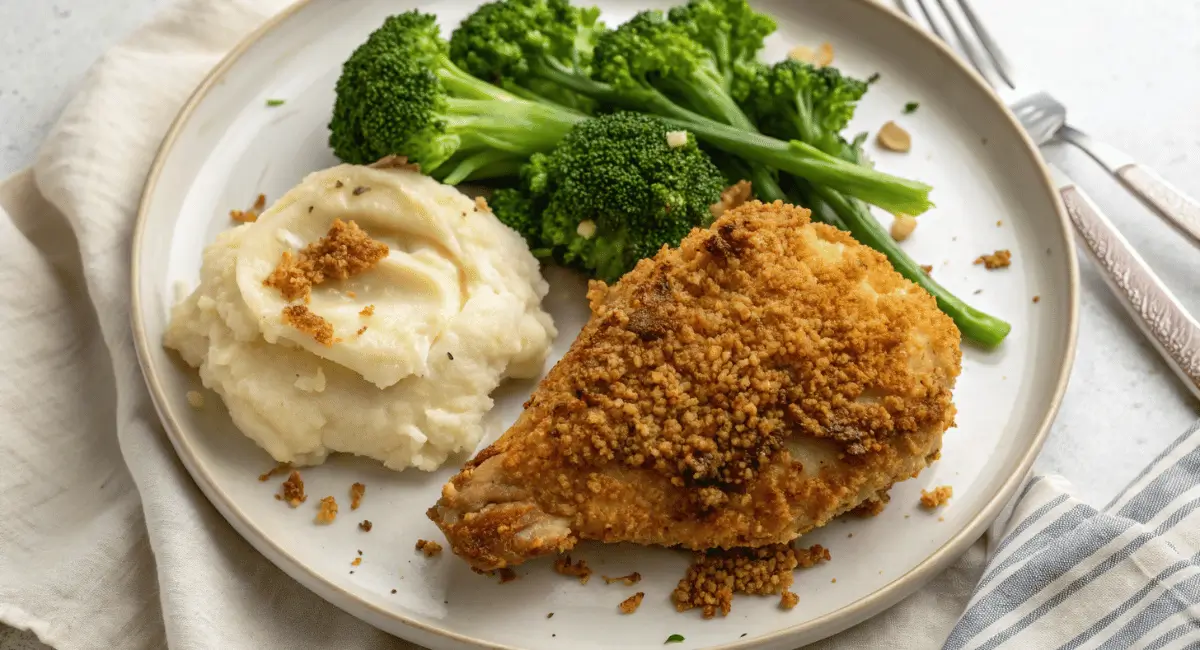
x: 1157, y: 312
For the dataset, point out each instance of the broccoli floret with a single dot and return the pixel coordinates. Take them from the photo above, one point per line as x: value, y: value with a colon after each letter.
x: 519, y: 45
x: 399, y: 93
x: 615, y: 191
x: 731, y: 30
x: 795, y: 100
x: 515, y: 208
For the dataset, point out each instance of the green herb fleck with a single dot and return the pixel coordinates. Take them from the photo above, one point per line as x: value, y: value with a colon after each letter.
x: 274, y: 102
x: 674, y: 638
x: 910, y: 107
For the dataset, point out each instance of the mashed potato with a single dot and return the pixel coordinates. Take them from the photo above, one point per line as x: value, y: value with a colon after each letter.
x: 394, y: 362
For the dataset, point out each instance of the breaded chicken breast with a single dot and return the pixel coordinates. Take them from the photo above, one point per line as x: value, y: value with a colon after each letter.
x: 764, y: 377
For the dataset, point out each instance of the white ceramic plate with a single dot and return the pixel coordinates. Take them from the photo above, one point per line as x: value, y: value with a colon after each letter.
x: 991, y: 191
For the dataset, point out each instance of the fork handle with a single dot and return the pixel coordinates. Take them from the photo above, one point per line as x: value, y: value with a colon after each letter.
x: 1157, y: 312
x: 1179, y: 209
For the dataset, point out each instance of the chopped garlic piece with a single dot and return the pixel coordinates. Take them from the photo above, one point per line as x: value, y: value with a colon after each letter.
x: 903, y: 226
x: 586, y: 229
x: 894, y: 138
x: 676, y: 139
x: 802, y: 53
x: 824, y: 55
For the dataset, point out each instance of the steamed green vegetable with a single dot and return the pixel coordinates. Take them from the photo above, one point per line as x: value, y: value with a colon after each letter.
x: 399, y: 93
x: 614, y: 191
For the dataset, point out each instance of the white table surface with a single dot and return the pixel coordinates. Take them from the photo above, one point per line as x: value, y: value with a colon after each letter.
x: 1126, y: 69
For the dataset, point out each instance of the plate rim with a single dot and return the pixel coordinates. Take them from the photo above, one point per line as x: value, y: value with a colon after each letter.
x: 823, y: 626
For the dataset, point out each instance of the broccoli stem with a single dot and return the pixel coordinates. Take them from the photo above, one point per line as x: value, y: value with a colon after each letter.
x: 707, y: 96
x: 889, y: 192
x: 859, y: 222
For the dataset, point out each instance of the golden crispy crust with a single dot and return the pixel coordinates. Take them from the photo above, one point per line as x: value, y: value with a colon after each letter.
x: 740, y: 390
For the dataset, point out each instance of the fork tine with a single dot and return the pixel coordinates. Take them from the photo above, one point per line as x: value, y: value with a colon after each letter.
x: 1003, y: 67
x: 966, y: 43
x: 933, y: 24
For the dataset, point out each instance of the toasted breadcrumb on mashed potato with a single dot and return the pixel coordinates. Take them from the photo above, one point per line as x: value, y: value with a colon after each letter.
x: 291, y: 360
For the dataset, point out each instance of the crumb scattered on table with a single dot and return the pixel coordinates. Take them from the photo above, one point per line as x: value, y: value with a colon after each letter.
x: 631, y: 604
x: 327, y: 511
x: 293, y: 490
x: 195, y: 399
x: 629, y: 580
x: 365, y: 525
x: 788, y: 599
x: 579, y: 570
x: 716, y: 575
x: 344, y: 252
x: 356, y: 495
x: 931, y: 499
x: 429, y: 548
x: 1001, y: 259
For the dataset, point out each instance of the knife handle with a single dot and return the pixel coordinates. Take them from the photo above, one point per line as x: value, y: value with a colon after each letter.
x: 1180, y: 210
x: 1157, y: 312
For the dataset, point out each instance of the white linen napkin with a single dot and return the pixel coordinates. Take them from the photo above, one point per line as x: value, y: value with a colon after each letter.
x: 105, y: 542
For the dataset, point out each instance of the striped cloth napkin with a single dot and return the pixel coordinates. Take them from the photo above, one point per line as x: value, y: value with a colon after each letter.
x: 1067, y: 576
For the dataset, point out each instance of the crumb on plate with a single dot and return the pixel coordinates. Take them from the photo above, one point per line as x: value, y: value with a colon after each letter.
x: 481, y: 204
x: 344, y: 252
x: 279, y: 468
x: 932, y: 499
x: 327, y: 511
x: 195, y: 399
x: 788, y: 599
x: 365, y: 525
x: 356, y: 495
x: 429, y: 548
x: 1001, y: 259
x: 1037, y: 299
x: 356, y: 561
x: 927, y: 268
x: 629, y: 580
x: 292, y: 490
x: 367, y: 311
x: 251, y: 215
x: 631, y: 604
x: 309, y: 322
x: 562, y: 564
x: 716, y: 575
x: 506, y: 575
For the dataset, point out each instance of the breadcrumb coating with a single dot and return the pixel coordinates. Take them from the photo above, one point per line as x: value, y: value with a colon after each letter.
x: 761, y: 379
x: 715, y: 576
x: 344, y: 252
x: 309, y: 322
